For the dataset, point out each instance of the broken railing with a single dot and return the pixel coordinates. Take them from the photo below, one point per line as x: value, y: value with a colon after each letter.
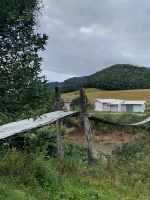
x: 10, y: 130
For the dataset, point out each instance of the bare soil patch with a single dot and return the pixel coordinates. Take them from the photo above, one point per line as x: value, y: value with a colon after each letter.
x: 116, y: 137
x: 111, y: 138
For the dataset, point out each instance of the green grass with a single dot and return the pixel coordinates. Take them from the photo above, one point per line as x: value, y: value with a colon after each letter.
x: 30, y: 177
x: 124, y: 118
x: 27, y: 174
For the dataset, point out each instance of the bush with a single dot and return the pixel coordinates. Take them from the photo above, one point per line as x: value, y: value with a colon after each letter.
x: 75, y: 157
x: 16, y: 163
x: 45, y: 173
x: 75, y: 104
x: 43, y: 140
x: 134, y: 147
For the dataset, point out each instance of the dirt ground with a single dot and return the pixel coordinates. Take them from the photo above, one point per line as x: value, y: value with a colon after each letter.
x: 111, y: 138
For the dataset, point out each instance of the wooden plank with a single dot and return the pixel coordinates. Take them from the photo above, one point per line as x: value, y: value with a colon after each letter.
x: 58, y: 124
x: 11, y: 129
x: 89, y: 139
x: 8, y: 130
x: 88, y: 132
x: 58, y: 98
x: 83, y: 101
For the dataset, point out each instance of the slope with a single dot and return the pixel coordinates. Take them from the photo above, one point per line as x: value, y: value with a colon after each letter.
x: 116, y: 77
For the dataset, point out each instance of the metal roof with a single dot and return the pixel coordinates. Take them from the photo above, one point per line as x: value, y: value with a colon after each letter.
x: 67, y: 100
x: 118, y: 101
x: 105, y: 100
x: 134, y: 102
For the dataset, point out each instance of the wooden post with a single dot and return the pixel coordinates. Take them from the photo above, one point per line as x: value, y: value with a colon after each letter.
x: 88, y: 132
x: 58, y: 124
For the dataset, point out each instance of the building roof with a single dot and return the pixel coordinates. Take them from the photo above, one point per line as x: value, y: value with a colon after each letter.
x: 134, y: 102
x: 105, y: 100
x: 116, y: 102
x: 67, y: 100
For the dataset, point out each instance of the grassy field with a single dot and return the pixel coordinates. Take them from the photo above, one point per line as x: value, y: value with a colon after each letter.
x: 125, y: 175
x: 93, y: 94
x: 31, y: 171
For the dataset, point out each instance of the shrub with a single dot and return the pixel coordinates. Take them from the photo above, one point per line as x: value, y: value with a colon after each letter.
x: 134, y: 147
x: 16, y: 163
x: 45, y: 173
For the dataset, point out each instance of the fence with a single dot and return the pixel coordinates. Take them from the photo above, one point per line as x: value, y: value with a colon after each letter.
x: 10, y: 130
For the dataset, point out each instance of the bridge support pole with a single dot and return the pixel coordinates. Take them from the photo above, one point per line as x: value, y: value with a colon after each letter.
x: 88, y: 132
x: 58, y: 124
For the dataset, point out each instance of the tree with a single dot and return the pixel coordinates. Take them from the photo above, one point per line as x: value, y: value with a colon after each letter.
x: 76, y: 102
x: 21, y: 87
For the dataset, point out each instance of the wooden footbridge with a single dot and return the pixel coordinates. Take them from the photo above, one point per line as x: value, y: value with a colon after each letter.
x: 14, y: 128
x: 10, y: 130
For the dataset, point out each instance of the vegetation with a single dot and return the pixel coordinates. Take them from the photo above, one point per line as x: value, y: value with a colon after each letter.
x: 68, y: 85
x: 21, y: 86
x: 93, y: 93
x: 125, y: 118
x: 75, y: 104
x: 37, y: 174
x: 116, y: 77
x: 29, y: 166
x: 120, y: 77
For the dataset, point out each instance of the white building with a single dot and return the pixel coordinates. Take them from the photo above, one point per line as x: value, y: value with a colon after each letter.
x: 117, y: 105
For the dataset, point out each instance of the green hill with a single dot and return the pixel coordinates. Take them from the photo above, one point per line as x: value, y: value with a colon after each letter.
x: 70, y: 83
x: 116, y: 77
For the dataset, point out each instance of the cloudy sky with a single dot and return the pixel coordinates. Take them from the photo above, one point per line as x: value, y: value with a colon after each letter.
x: 86, y: 36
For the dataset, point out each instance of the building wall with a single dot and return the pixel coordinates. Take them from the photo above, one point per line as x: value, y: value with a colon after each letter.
x: 123, y: 108
x: 98, y: 106
x: 139, y: 108
x: 67, y: 105
x: 106, y: 107
x: 114, y: 108
x: 135, y: 108
x: 143, y: 107
x: 119, y: 108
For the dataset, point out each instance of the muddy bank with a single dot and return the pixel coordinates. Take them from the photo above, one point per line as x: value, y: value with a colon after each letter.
x: 104, y: 143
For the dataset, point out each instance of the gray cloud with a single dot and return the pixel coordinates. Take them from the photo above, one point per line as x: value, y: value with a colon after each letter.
x: 87, y: 36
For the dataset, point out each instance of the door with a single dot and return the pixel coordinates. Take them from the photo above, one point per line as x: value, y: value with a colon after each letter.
x: 113, y: 108
x: 129, y: 108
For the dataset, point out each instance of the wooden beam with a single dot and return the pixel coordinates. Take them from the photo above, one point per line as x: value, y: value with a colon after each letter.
x: 58, y: 124
x: 58, y: 98
x: 88, y: 132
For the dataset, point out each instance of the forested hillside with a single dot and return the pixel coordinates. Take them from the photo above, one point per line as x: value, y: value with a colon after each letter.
x: 116, y: 77
x: 68, y: 85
